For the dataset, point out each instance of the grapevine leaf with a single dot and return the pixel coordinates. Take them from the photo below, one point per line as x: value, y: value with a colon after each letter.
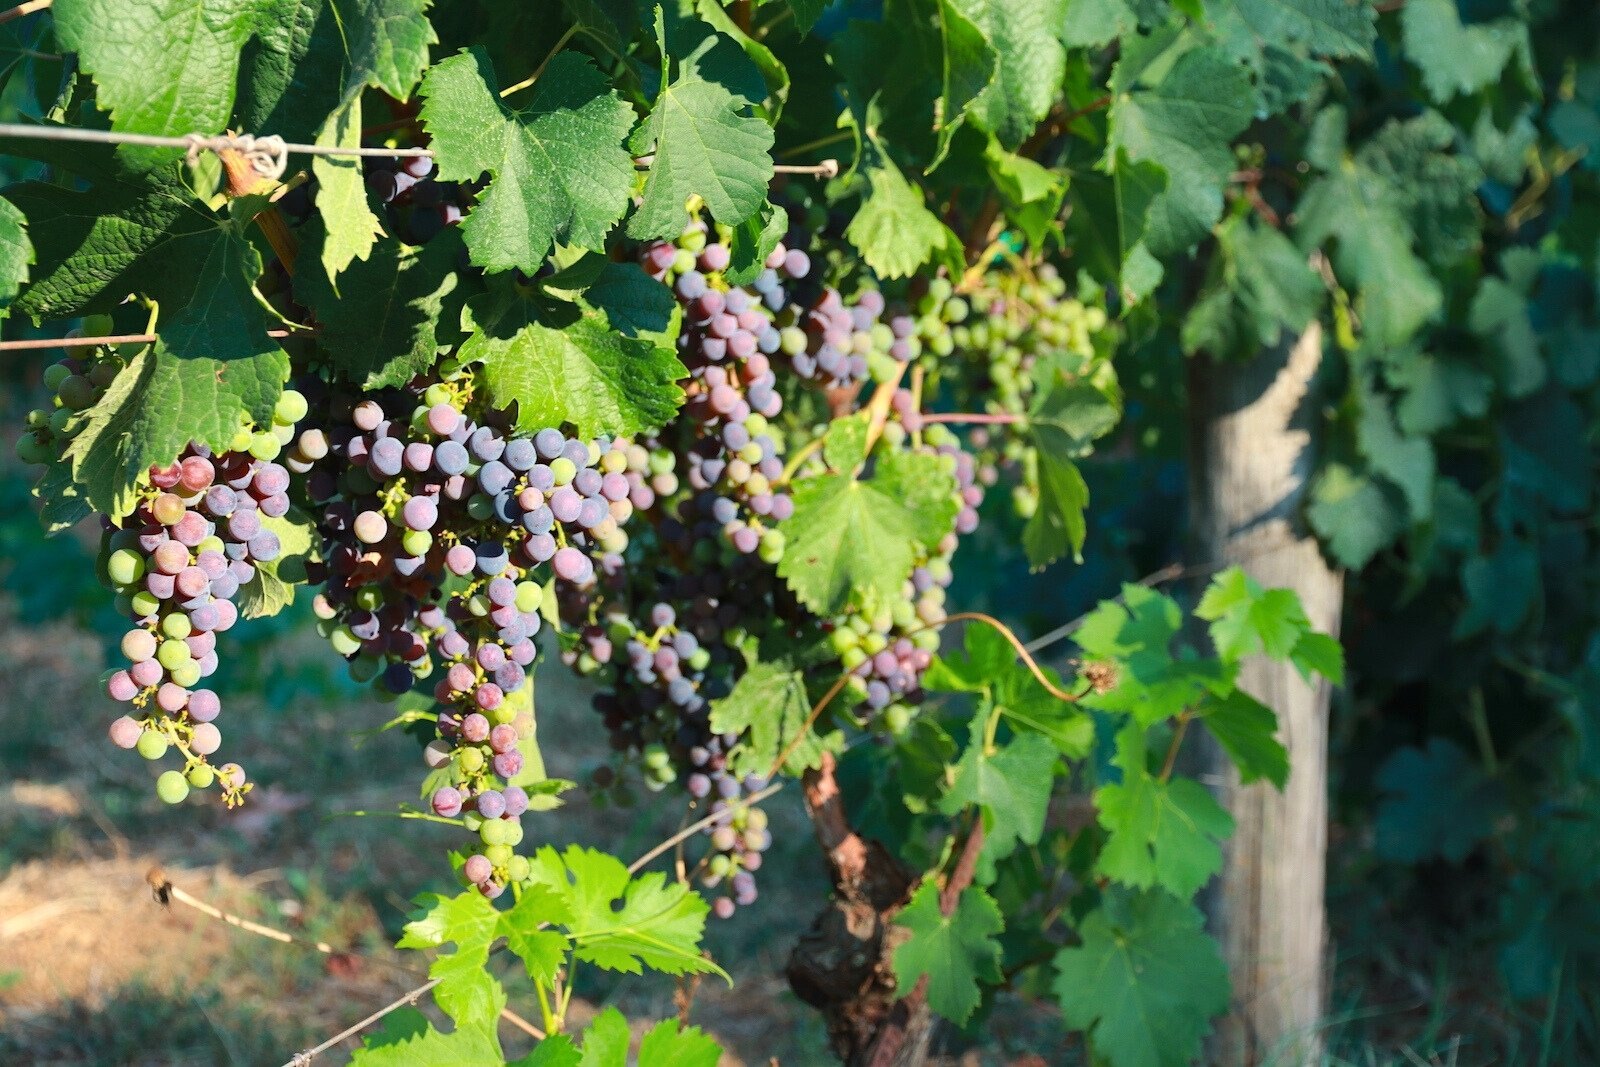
x: 466, y: 990
x: 273, y: 586
x: 1162, y: 833
x: 1336, y: 28
x: 768, y: 707
x: 1136, y: 639
x: 1263, y: 286
x: 95, y: 246
x: 542, y: 951
x: 556, y: 1050
x: 1405, y: 461
x: 211, y: 368
x: 969, y: 64
x: 1029, y: 63
x: 381, y: 325
x: 349, y: 224
x: 1247, y: 730
x: 606, y: 1041
x: 388, y: 44
x: 1065, y: 418
x: 658, y: 925
x: 1398, y: 295
x: 1455, y: 58
x: 850, y: 539
x: 1354, y: 515
x: 753, y: 241
x: 1436, y: 802
x: 985, y: 658
x: 956, y: 952
x: 1091, y: 23
x: 1183, y: 122
x: 1011, y: 786
x: 1501, y: 314
x: 633, y: 302
x: 669, y: 1046
x: 408, y: 1039
x: 705, y: 144
x: 16, y: 253
x: 807, y: 12
x: 558, y: 167
x: 1144, y: 980
x: 584, y: 373
x: 1245, y: 618
x: 773, y: 72
x: 1136, y: 186
x: 1320, y: 654
x: 61, y: 501
x: 893, y: 229
x: 165, y: 67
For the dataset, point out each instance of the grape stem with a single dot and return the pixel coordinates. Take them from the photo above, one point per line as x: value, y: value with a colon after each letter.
x: 710, y: 820
x: 976, y: 418
x: 810, y: 449
x: 23, y: 10
x: 423, y: 816
x: 800, y: 734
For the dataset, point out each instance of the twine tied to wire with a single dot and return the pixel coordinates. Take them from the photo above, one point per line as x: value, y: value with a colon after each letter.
x: 268, y: 156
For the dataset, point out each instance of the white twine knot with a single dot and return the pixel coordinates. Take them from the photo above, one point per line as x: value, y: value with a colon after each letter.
x: 268, y: 156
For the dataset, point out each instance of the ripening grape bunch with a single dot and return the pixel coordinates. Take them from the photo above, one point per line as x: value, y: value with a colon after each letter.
x: 419, y: 205
x: 76, y: 384
x: 437, y: 531
x: 177, y: 563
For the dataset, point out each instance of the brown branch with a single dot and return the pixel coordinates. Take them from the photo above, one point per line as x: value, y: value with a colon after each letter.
x: 846, y: 851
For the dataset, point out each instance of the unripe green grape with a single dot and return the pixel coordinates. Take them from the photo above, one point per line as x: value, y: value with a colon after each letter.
x: 851, y: 658
x: 699, y: 660
x: 874, y: 643
x: 529, y: 596
x: 843, y: 638
x: 265, y: 447
x: 144, y: 603
x: 481, y: 507
x: 55, y: 374
x: 172, y: 787
x: 186, y: 674
x: 125, y: 566
x: 369, y: 598
x: 474, y: 822
x: 59, y: 419
x: 492, y: 832
x: 470, y: 760
x: 503, y: 714
x: 365, y: 667
x: 344, y: 642
x: 512, y: 834
x: 290, y: 408
x: 172, y: 654
x: 897, y: 717
x: 479, y: 605
x: 499, y: 855
x: 416, y: 542
x: 720, y: 866
x: 152, y: 744
x: 201, y: 776
x: 177, y: 626
x: 518, y: 869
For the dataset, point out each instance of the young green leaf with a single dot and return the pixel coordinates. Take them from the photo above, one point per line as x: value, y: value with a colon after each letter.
x: 1066, y: 416
x: 893, y: 230
x: 349, y: 225
x: 768, y: 707
x: 1159, y: 833
x: 1246, y: 619
x: 559, y: 170
x: 408, y: 1039
x: 466, y: 991
x: 956, y: 952
x: 1011, y: 785
x: 1144, y: 981
x: 852, y: 540
x: 671, y: 1046
x: 580, y: 371
x: 658, y: 925
x: 1247, y: 730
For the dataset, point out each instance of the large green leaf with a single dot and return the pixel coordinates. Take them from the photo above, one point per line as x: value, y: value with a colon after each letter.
x: 955, y: 952
x: 350, y: 227
x: 211, y: 369
x: 380, y: 319
x: 705, y: 143
x: 1456, y: 58
x: 893, y: 229
x: 1144, y: 980
x: 1160, y: 833
x: 1011, y: 787
x: 1028, y: 66
x: 16, y: 253
x: 569, y: 370
x: 558, y: 166
x: 408, y: 1039
x: 1182, y: 119
x: 768, y: 708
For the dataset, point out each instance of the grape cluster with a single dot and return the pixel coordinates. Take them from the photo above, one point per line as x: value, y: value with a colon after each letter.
x: 435, y: 528
x: 77, y: 384
x: 419, y: 205
x: 177, y: 563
